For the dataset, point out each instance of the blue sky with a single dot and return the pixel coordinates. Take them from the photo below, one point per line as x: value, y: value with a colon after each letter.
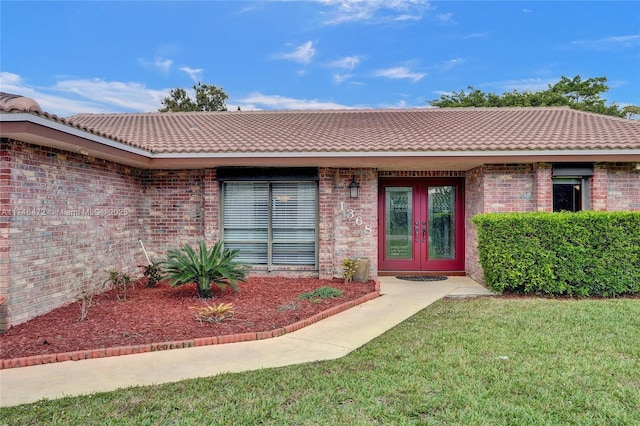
x: 125, y: 56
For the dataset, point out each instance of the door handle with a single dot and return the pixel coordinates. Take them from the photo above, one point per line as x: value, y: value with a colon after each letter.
x: 417, y: 234
x: 424, y: 231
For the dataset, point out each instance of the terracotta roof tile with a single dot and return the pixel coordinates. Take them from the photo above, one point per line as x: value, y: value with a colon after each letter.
x: 448, y: 129
x: 10, y: 102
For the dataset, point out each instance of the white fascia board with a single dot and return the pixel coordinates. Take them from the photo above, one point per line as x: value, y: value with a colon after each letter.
x: 74, y: 131
x: 325, y: 154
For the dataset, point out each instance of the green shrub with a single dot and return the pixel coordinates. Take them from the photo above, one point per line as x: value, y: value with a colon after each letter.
x: 578, y: 254
x: 209, y: 266
x: 324, y: 292
x: 349, y: 267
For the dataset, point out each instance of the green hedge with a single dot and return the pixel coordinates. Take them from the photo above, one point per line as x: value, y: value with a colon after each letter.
x: 579, y: 254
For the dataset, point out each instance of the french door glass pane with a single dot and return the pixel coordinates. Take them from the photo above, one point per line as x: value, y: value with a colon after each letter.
x: 246, y: 220
x: 399, y: 228
x: 442, y: 223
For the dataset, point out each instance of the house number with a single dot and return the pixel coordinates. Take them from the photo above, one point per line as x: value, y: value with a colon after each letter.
x: 351, y: 214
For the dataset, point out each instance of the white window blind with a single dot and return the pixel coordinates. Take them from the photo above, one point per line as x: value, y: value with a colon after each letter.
x: 271, y: 223
x: 246, y: 220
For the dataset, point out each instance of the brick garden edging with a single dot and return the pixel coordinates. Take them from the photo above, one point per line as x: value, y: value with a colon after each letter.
x: 201, y: 341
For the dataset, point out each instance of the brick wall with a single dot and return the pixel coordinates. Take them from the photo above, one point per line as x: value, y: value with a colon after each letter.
x: 71, y: 218
x: 623, y: 187
x: 5, y: 203
x: 474, y: 204
x: 543, y: 187
x: 173, y: 209
x: 211, y: 206
x: 354, y: 221
x: 508, y: 188
x: 326, y: 214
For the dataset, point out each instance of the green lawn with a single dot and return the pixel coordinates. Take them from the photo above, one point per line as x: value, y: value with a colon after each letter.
x: 486, y: 361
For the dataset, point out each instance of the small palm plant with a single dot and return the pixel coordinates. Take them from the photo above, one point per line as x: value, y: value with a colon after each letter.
x: 209, y: 266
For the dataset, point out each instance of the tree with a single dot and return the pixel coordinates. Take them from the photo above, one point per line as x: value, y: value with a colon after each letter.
x: 208, y: 98
x: 575, y: 93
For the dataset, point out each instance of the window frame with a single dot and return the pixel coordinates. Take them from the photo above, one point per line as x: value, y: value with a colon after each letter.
x: 573, y: 174
x: 270, y: 265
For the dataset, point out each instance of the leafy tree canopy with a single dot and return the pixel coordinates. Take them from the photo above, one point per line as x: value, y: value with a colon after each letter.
x: 575, y: 93
x: 208, y: 98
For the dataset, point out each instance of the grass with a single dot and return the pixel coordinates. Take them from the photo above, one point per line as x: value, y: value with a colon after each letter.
x: 483, y: 362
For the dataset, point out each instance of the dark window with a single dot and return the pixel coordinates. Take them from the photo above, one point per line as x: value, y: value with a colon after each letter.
x: 571, y: 186
x: 567, y: 195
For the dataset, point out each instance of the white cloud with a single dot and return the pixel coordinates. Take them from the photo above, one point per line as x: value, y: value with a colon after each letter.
x: 475, y: 35
x: 193, y: 73
x: 348, y: 62
x: 9, y: 81
x: 399, y: 73
x: 447, y: 65
x: 374, y: 11
x: 608, y: 43
x: 302, y: 54
x: 403, y: 104
x: 122, y: 95
x: 341, y: 78
x: 445, y: 18
x: 163, y: 65
x: 258, y: 101
x: 523, y: 85
x: 72, y: 96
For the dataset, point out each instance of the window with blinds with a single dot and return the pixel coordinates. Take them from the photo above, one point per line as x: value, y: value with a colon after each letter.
x: 272, y: 224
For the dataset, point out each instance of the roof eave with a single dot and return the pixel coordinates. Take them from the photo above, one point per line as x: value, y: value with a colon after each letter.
x: 39, y: 130
x: 390, y: 160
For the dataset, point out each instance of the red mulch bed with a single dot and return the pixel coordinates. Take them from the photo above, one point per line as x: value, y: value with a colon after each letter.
x: 163, y: 314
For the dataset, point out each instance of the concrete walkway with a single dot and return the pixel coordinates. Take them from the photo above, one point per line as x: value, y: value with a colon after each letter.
x: 330, y: 338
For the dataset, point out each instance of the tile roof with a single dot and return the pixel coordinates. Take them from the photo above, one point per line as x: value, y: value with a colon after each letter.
x: 412, y: 130
x: 10, y: 102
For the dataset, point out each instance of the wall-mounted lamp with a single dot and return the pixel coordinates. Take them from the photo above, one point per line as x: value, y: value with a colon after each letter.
x: 354, y: 188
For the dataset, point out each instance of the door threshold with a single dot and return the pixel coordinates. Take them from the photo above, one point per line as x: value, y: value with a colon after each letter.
x: 422, y: 273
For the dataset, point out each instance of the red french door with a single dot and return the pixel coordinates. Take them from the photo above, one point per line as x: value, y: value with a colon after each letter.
x: 422, y: 224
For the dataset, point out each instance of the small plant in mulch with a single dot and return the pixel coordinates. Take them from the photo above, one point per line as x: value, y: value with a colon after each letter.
x: 320, y: 294
x: 119, y: 281
x: 85, y: 299
x: 213, y: 313
x: 349, y: 267
x: 153, y: 273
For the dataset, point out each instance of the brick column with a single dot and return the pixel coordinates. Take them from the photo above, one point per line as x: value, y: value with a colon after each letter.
x: 599, y: 188
x: 327, y: 213
x: 211, y: 212
x: 5, y: 202
x: 543, y: 187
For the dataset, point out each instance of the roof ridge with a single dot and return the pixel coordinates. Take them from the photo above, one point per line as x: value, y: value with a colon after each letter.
x: 319, y: 111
